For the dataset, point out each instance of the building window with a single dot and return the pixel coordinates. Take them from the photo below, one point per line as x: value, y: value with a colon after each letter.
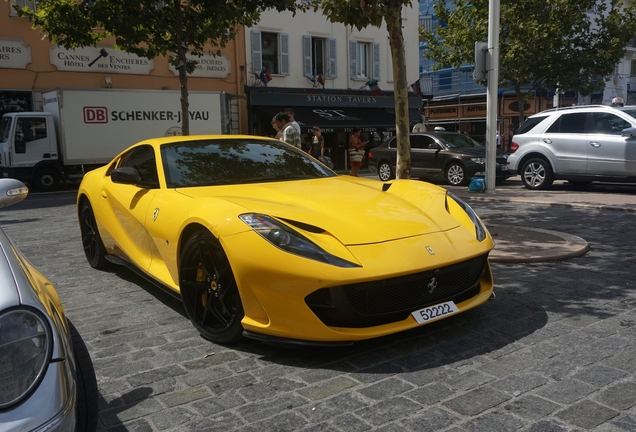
x: 364, y: 60
x: 31, y: 4
x: 319, y: 57
x: 270, y: 52
x: 632, y: 70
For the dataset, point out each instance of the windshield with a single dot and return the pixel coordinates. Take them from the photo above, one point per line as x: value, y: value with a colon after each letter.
x: 630, y: 111
x: 5, y: 125
x: 456, y: 140
x: 236, y: 161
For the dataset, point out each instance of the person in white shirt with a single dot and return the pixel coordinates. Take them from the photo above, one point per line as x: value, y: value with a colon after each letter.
x: 290, y: 112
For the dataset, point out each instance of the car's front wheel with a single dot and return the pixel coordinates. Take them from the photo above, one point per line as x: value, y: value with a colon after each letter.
x: 456, y: 174
x: 385, y: 171
x: 93, y: 247
x: 537, y: 173
x: 209, y: 291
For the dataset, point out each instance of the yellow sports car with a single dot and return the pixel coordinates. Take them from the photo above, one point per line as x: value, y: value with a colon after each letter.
x: 261, y: 240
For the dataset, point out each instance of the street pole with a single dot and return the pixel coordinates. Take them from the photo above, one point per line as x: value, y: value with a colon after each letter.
x: 491, y: 96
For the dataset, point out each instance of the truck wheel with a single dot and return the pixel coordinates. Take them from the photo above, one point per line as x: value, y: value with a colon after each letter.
x: 47, y: 180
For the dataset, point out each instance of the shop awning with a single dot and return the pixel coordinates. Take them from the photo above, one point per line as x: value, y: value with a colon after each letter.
x: 337, y: 119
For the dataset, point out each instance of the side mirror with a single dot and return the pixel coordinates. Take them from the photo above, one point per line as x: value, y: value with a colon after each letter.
x: 629, y: 133
x: 129, y: 175
x: 12, y: 191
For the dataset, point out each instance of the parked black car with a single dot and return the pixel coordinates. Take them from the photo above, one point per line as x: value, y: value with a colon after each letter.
x: 452, y: 156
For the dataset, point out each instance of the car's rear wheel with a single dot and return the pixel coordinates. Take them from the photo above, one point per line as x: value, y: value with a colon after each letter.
x: 537, y: 173
x: 385, y: 171
x: 47, y: 180
x: 456, y: 174
x: 87, y: 392
x: 208, y: 289
x: 91, y: 241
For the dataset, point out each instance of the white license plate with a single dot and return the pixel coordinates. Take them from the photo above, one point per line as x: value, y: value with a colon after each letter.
x: 504, y: 167
x: 435, y: 312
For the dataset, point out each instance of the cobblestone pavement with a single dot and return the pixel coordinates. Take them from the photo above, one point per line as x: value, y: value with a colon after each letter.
x: 555, y: 351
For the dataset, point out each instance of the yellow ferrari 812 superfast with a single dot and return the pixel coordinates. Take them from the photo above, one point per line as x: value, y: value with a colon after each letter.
x: 260, y: 240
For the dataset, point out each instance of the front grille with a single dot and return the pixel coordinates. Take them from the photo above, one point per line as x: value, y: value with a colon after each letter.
x: 383, y: 301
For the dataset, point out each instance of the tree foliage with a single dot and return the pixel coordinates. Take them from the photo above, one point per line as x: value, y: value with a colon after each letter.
x: 569, y: 44
x: 151, y: 28
x: 364, y: 13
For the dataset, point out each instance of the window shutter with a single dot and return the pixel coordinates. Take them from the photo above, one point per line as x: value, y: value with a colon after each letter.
x: 376, y: 61
x: 284, y: 53
x: 308, y: 69
x: 331, y: 55
x: 257, y: 58
x: 353, y: 59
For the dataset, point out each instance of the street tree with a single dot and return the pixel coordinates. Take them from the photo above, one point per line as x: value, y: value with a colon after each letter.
x: 361, y: 14
x: 565, y: 44
x: 151, y: 28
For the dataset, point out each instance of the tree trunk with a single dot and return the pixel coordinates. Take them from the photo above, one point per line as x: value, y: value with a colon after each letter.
x: 182, y: 62
x: 400, y: 90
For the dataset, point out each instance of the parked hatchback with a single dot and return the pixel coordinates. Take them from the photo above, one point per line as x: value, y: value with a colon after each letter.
x: 579, y: 144
x: 48, y: 380
x: 451, y: 156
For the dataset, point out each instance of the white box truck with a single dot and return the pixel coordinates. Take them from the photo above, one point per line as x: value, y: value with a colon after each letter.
x: 81, y: 129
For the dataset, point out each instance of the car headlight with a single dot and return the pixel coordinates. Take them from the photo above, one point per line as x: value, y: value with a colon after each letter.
x: 25, y: 350
x: 480, y: 229
x: 479, y: 161
x: 285, y: 238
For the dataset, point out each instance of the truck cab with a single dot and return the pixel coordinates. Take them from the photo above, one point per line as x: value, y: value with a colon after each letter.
x: 28, y: 149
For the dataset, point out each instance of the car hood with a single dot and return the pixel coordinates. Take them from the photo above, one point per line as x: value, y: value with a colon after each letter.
x: 353, y: 210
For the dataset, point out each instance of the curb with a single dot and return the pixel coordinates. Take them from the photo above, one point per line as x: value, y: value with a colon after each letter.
x: 515, y: 244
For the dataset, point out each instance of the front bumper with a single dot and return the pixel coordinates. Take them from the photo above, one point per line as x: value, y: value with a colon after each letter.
x: 275, y: 287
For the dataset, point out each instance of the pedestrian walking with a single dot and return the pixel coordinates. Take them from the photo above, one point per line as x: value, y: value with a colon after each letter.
x: 356, y: 151
x: 317, y: 147
x: 288, y: 132
x: 292, y: 119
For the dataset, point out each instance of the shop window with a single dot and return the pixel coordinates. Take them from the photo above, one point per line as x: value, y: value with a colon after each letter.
x: 364, y: 60
x: 319, y: 57
x: 270, y: 52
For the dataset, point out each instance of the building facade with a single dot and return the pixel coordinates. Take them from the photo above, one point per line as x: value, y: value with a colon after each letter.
x: 30, y: 65
x: 333, y: 76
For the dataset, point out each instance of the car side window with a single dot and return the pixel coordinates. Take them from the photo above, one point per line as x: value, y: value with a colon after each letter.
x: 608, y: 124
x: 572, y: 123
x: 142, y: 158
x: 421, y: 141
x: 530, y: 124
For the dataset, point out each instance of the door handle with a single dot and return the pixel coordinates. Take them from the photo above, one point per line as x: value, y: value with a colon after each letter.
x: 595, y: 144
x: 547, y: 140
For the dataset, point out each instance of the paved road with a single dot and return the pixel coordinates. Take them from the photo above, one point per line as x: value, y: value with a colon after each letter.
x: 555, y: 351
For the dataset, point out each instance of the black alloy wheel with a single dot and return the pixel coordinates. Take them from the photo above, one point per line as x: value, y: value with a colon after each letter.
x: 385, y: 171
x: 456, y: 174
x: 537, y: 174
x: 91, y: 241
x: 209, y: 291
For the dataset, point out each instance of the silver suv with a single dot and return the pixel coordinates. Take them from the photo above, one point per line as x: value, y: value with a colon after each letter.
x: 580, y: 144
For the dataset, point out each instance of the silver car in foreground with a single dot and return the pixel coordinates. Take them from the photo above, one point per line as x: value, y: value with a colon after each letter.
x: 47, y: 380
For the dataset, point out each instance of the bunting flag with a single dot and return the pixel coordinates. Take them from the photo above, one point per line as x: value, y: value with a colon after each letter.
x: 321, y: 80
x: 265, y: 77
x: 375, y: 88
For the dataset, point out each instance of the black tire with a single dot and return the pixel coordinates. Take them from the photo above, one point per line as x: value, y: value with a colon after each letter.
x: 91, y: 241
x: 47, y: 180
x: 456, y: 174
x: 87, y: 393
x: 209, y: 291
x: 537, y: 174
x: 385, y: 171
